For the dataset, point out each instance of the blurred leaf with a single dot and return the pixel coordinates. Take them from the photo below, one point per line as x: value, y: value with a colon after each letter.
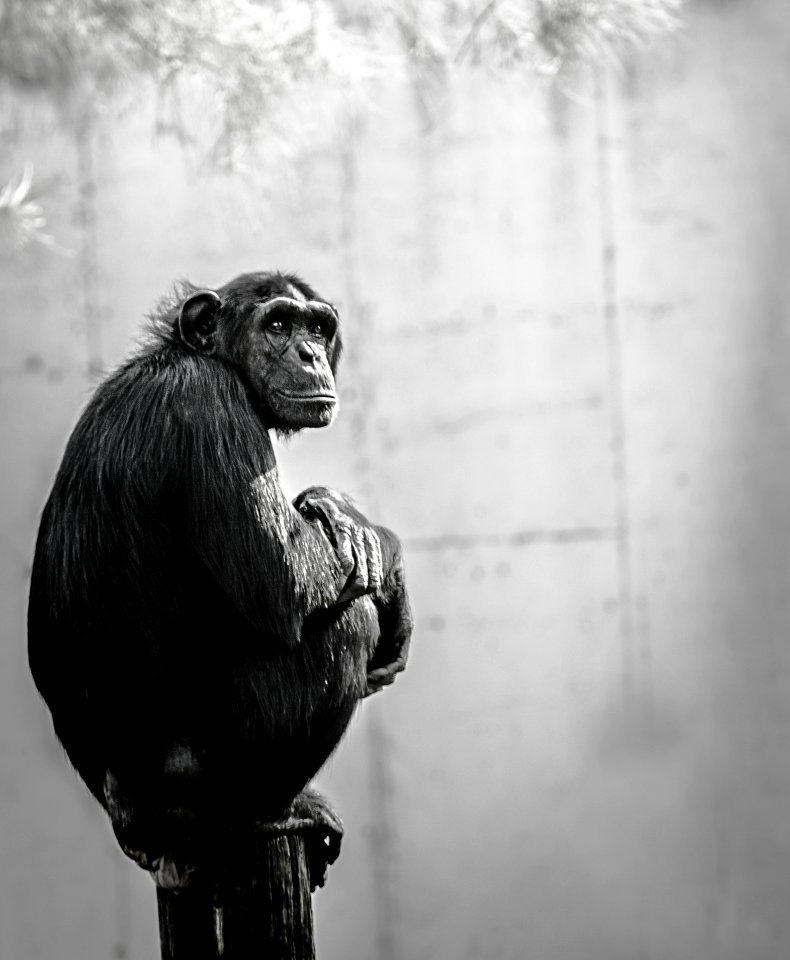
x: 22, y: 221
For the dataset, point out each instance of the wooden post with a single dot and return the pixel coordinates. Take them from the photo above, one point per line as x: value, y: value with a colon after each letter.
x: 259, y: 911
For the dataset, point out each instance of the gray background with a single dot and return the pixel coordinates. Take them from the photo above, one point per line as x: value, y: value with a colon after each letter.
x: 565, y: 388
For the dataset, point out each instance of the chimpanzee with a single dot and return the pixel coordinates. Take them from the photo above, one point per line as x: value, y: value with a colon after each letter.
x: 201, y: 642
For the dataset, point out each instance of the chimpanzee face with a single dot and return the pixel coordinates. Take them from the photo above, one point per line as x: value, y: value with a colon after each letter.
x: 290, y: 342
x: 285, y: 342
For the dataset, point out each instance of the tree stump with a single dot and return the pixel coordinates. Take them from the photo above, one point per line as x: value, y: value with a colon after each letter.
x: 256, y: 908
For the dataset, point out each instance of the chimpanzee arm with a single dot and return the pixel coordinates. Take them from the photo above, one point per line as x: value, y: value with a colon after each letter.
x: 343, y: 522
x: 395, y: 626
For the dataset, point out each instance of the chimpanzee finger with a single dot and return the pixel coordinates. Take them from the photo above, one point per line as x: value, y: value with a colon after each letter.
x: 341, y: 532
x: 375, y: 561
x: 357, y: 583
x: 345, y: 550
x: 360, y: 547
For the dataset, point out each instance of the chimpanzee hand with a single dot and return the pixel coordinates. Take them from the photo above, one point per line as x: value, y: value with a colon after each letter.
x: 372, y: 562
x: 354, y: 539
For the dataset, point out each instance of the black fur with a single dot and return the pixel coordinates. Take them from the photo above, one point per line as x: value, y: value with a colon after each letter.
x: 183, y: 628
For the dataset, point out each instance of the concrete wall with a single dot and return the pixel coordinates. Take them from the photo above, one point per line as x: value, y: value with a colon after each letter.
x: 565, y: 388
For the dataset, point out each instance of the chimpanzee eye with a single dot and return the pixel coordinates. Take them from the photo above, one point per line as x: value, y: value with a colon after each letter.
x: 322, y: 322
x: 319, y: 328
x: 278, y: 325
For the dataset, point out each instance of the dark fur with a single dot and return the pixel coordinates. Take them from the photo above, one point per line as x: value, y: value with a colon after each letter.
x: 179, y: 641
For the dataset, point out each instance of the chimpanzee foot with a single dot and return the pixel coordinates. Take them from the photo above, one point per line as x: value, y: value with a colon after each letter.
x: 155, y: 840
x: 167, y: 841
x: 311, y: 816
x: 324, y: 833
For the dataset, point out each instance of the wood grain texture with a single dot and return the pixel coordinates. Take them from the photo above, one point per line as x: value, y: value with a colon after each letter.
x: 265, y: 916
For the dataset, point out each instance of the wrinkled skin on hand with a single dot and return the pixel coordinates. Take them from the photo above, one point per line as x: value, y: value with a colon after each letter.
x: 372, y: 563
x: 356, y: 542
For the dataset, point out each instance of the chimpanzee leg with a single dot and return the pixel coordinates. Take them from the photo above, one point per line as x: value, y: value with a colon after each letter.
x: 158, y: 824
x: 167, y: 831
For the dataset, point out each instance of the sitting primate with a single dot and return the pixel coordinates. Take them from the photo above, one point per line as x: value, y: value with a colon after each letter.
x: 201, y: 642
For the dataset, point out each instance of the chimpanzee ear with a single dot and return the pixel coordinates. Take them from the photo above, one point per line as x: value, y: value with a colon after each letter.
x: 334, y: 353
x: 197, y: 321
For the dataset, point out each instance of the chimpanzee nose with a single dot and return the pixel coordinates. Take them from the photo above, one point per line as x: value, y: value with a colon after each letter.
x: 306, y: 351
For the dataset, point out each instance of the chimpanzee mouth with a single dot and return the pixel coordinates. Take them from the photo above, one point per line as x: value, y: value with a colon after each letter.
x: 315, y: 397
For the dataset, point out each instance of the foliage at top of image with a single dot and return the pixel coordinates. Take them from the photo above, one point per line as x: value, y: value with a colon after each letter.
x: 249, y: 52
x: 233, y: 73
x: 549, y: 34
x: 242, y: 56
